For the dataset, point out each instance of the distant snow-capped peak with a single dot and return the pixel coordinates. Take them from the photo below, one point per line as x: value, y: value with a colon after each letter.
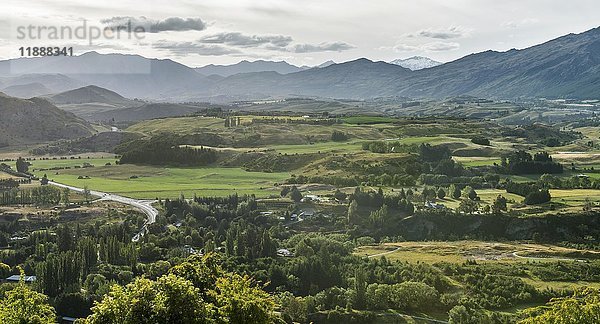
x: 416, y: 63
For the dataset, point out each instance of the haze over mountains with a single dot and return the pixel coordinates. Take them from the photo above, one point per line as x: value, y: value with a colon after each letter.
x: 281, y: 67
x: 130, y: 75
x: 566, y: 67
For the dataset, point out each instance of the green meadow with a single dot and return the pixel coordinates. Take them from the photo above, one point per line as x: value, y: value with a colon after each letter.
x: 148, y: 182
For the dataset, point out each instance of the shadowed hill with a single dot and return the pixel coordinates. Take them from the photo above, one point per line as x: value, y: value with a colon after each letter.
x: 36, y: 120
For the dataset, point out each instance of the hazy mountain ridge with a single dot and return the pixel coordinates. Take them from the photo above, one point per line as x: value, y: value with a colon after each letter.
x: 28, y: 90
x: 53, y: 82
x: 37, y: 120
x: 280, y: 67
x: 358, y: 78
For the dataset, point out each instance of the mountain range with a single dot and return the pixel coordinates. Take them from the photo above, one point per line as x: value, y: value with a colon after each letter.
x: 566, y: 67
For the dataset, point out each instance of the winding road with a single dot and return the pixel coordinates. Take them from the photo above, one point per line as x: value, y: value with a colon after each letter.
x: 144, y: 205
x: 384, y: 253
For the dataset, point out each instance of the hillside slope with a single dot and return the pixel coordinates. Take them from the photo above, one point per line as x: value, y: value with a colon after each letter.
x: 36, y: 120
x: 90, y: 94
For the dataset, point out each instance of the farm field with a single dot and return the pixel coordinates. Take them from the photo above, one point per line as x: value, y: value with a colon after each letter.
x: 70, y: 163
x: 338, y: 147
x: 461, y: 251
x: 150, y: 182
x: 568, y: 199
x: 5, y: 176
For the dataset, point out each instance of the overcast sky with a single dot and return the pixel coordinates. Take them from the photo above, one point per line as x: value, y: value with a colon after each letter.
x: 302, y: 32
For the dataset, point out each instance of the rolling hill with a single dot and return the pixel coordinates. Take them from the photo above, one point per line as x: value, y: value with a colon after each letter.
x: 36, y: 120
x: 90, y: 94
x: 88, y: 101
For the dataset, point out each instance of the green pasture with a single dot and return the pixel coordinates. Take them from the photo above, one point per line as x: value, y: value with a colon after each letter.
x: 150, y: 182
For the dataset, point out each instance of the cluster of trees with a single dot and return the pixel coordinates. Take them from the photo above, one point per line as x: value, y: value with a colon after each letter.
x: 389, y: 147
x: 537, y: 197
x: 331, y: 180
x: 488, y: 180
x: 521, y: 162
x: 8, y: 184
x: 387, y: 210
x: 520, y: 188
x: 429, y: 153
x: 480, y: 140
x: 308, y: 121
x: 498, y: 291
x: 581, y: 307
x: 531, y: 191
x: 575, y: 182
x: 166, y: 154
x: 338, y: 136
x: 21, y: 304
x: 233, y: 121
x: 43, y: 195
x: 22, y: 165
x: 292, y: 192
x: 197, y: 290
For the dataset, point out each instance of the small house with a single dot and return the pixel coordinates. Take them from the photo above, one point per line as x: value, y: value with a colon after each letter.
x: 17, y: 278
x: 284, y: 253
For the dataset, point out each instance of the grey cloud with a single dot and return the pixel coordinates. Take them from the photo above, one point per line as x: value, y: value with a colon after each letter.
x: 184, y: 48
x: 322, y: 47
x: 405, y: 48
x: 242, y: 40
x: 451, y: 32
x: 440, y: 46
x: 521, y: 23
x: 154, y: 26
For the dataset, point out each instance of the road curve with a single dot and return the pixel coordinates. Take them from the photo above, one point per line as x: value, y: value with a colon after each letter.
x: 144, y: 205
